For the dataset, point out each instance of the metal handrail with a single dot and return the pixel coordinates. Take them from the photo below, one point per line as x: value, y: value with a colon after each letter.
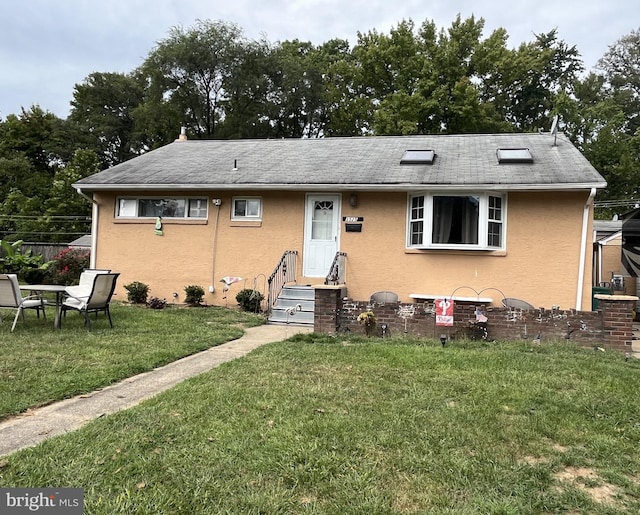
x: 284, y: 272
x: 338, y: 271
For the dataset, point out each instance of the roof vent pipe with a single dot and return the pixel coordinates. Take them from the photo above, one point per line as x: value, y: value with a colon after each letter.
x: 183, y: 134
x: 235, y: 164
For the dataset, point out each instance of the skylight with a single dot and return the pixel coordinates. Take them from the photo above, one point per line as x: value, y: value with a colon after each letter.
x: 514, y: 155
x: 418, y: 157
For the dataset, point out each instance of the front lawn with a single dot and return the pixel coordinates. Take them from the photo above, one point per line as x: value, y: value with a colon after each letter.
x: 39, y: 364
x: 351, y: 425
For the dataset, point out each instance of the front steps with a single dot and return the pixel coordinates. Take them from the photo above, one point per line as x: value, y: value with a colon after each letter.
x: 295, y: 306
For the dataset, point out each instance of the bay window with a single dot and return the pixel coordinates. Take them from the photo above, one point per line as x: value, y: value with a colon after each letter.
x: 470, y: 221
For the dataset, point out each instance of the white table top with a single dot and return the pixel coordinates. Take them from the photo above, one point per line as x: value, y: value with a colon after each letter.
x: 43, y: 287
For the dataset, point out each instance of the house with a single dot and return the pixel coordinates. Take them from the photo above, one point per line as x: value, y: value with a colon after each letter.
x: 83, y: 242
x: 483, y: 216
x: 607, y: 252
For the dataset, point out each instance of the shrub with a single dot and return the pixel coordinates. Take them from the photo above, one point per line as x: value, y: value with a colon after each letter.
x: 250, y: 300
x: 137, y: 292
x: 28, y: 266
x: 156, y: 303
x: 194, y: 295
x: 68, y: 265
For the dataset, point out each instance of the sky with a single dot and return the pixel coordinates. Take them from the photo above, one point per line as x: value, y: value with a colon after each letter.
x: 49, y: 46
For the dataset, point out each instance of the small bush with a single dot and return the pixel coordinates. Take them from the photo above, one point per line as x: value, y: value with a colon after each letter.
x: 68, y: 265
x: 250, y: 300
x: 194, y: 295
x: 156, y: 303
x: 137, y: 292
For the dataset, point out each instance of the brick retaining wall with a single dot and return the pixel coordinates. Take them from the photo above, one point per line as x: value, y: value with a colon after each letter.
x: 610, y: 327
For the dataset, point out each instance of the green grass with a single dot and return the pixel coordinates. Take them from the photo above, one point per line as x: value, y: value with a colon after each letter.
x: 39, y: 365
x: 318, y: 424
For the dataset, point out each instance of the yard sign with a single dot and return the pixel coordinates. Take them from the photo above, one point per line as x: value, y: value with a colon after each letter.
x: 444, y: 312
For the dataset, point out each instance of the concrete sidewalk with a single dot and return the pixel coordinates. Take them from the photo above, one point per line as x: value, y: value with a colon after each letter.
x: 33, y: 427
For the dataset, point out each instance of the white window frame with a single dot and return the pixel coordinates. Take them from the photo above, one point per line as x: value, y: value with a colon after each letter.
x: 483, y: 221
x: 130, y: 206
x: 247, y: 217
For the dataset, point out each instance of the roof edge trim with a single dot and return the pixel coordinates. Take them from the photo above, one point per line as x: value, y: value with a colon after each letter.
x: 345, y: 187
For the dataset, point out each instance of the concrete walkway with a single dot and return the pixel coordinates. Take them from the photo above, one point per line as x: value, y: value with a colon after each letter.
x: 33, y: 427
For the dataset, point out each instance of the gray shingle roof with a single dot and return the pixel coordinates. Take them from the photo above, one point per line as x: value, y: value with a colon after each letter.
x: 462, y: 161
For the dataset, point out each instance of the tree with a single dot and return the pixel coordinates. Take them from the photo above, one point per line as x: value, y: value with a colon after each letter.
x: 102, y: 109
x: 191, y: 68
x: 348, y: 109
x: 248, y: 110
x: 621, y: 68
x: 534, y: 78
x: 41, y: 137
x: 297, y: 93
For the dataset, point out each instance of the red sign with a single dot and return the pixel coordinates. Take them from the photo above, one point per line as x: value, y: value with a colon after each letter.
x: 444, y: 312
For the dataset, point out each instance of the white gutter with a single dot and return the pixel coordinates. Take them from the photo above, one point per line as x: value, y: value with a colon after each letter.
x: 583, y: 249
x: 94, y: 227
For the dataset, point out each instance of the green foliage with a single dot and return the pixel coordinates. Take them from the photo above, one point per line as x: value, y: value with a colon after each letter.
x: 191, y: 68
x: 28, y: 266
x: 68, y: 265
x: 194, y: 295
x: 104, y: 104
x: 137, y: 292
x: 249, y: 300
x: 415, y: 79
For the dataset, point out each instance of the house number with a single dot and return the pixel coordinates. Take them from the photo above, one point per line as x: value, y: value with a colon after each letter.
x: 353, y: 219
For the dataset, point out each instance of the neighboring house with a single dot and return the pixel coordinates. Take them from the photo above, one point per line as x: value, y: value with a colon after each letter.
x: 607, y: 251
x: 423, y: 216
x: 83, y: 242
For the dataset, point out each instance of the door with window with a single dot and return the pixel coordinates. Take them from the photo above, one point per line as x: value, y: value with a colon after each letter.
x: 321, y: 234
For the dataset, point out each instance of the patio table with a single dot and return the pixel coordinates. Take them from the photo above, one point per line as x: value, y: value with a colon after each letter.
x: 58, y: 289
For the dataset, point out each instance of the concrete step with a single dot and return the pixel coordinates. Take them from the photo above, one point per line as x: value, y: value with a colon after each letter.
x: 298, y: 292
x: 298, y: 317
x: 285, y: 303
x: 293, y: 296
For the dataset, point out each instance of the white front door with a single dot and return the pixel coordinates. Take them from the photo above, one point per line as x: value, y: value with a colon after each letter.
x: 321, y: 233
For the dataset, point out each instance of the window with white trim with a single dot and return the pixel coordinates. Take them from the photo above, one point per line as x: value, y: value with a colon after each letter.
x: 473, y: 221
x: 164, y: 207
x: 246, y: 208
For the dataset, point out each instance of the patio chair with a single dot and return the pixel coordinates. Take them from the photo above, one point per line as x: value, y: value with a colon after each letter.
x: 11, y: 298
x: 83, y: 288
x: 509, y: 302
x: 383, y: 297
x: 98, y: 299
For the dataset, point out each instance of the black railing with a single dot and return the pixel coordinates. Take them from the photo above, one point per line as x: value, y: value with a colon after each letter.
x: 338, y: 271
x: 284, y: 272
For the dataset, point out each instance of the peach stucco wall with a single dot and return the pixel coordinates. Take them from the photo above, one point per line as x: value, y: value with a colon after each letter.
x: 540, y: 264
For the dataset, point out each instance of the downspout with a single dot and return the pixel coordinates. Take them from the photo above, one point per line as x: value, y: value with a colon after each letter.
x: 214, y: 248
x: 583, y: 248
x: 94, y: 227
